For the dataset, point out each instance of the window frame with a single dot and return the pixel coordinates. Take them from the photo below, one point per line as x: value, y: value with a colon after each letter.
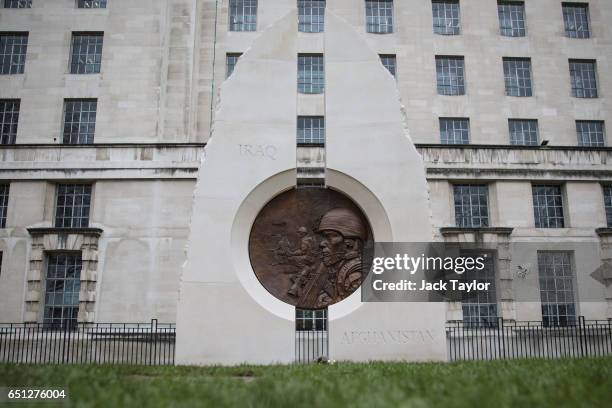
x: 246, y: 27
x: 6, y: 4
x: 80, y: 123
x: 547, y: 224
x: 607, y: 202
x: 21, y: 67
x: 483, y: 320
x: 304, y: 5
x: 566, y: 30
x: 72, y: 64
x: 575, y: 91
x: 574, y: 292
x: 72, y: 217
x: 72, y: 322
x: 229, y: 55
x: 591, y: 144
x: 500, y: 5
x: 15, y: 113
x: 311, y: 82
x: 5, y: 196
x: 310, y: 141
x: 387, y: 57
x: 469, y: 221
x: 523, y: 121
x: 455, y: 119
x: 82, y: 2
x: 510, y: 79
x: 378, y: 18
x: 438, y: 29
x: 454, y: 90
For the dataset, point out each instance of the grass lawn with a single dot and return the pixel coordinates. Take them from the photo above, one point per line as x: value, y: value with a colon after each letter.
x: 524, y: 383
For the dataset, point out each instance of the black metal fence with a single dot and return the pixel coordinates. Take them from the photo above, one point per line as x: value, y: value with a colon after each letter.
x: 311, y: 345
x: 105, y: 343
x: 509, y: 340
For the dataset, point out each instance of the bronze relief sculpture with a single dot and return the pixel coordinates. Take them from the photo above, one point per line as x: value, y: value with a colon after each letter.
x: 308, y: 247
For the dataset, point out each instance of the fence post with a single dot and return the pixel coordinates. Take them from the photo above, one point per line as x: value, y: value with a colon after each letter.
x: 581, y: 334
x: 503, y: 337
x: 153, y: 340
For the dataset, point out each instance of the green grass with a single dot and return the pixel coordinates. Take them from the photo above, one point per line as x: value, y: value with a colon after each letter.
x: 525, y: 383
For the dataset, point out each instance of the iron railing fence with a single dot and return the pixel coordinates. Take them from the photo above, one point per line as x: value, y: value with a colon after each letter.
x: 85, y: 343
x: 311, y: 346
x: 500, y: 339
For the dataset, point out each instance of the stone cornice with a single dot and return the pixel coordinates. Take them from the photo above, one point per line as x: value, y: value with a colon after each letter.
x: 446, y: 231
x: 604, y: 231
x: 57, y: 231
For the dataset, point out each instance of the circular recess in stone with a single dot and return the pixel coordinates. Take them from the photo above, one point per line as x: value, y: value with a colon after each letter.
x: 311, y: 247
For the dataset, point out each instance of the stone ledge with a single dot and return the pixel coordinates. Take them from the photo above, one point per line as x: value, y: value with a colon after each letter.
x: 604, y: 231
x: 446, y: 231
x: 77, y: 231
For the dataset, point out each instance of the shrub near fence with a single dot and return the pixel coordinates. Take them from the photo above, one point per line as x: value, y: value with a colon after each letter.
x: 509, y: 340
x: 105, y: 343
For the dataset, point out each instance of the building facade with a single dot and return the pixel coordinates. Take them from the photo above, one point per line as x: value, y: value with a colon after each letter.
x: 107, y: 109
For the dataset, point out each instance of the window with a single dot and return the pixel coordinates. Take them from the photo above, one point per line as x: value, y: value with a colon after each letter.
x: 389, y: 62
x: 471, y: 205
x: 243, y: 15
x: 548, y: 206
x: 86, y: 53
x: 523, y: 132
x: 480, y: 309
x: 517, y: 75
x: 445, y: 17
x: 17, y: 3
x: 62, y: 287
x: 379, y: 16
x: 92, y: 4
x: 231, y: 59
x: 311, y: 75
x: 79, y: 121
x: 310, y: 130
x: 9, y: 118
x: 590, y: 133
x: 607, y: 192
x: 511, y: 18
x: 72, y: 205
x: 450, y: 73
x: 13, y: 47
x: 311, y: 16
x: 310, y: 320
x: 583, y: 77
x: 576, y: 19
x: 556, y: 288
x: 4, y: 196
x: 455, y: 130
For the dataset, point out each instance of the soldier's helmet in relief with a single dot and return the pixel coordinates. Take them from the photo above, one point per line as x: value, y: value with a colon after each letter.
x: 344, y: 221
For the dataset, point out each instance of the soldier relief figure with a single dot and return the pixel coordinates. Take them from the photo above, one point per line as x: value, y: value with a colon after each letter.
x: 317, y: 263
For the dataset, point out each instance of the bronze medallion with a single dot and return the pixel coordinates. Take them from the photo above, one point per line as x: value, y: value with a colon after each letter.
x: 308, y: 247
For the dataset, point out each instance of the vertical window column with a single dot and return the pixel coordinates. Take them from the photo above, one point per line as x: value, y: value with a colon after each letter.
x: 4, y: 197
x: 310, y: 130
